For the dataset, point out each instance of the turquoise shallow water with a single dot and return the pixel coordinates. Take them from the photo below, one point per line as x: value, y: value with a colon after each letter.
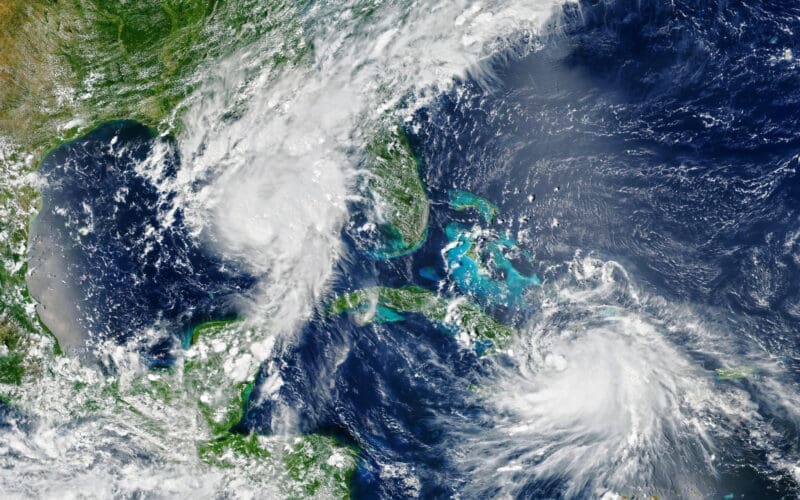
x: 463, y: 200
x: 626, y: 197
x: 473, y: 272
x: 642, y: 166
x: 101, y: 236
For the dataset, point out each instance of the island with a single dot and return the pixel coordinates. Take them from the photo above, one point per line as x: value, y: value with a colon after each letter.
x: 384, y: 304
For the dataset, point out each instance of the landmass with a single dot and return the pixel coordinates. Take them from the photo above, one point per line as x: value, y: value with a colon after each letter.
x: 735, y: 373
x: 66, y: 67
x: 369, y: 305
x: 207, y: 392
x: 464, y: 200
x: 218, y: 374
x: 476, y: 261
x: 398, y: 194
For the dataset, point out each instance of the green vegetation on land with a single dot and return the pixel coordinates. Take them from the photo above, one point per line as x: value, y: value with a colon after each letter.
x: 68, y: 65
x: 220, y: 396
x: 735, y: 373
x: 398, y: 193
x: 220, y: 377
x: 305, y: 467
x: 466, y: 317
x: 217, y: 377
x: 464, y: 200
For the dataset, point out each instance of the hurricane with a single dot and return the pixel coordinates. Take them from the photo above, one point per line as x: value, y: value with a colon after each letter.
x: 599, y: 400
x: 410, y: 249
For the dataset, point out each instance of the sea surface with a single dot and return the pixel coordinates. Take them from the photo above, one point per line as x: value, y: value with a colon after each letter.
x: 646, y: 155
x: 643, y: 159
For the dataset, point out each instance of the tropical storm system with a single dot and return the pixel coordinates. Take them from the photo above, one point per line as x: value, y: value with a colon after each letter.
x: 400, y: 249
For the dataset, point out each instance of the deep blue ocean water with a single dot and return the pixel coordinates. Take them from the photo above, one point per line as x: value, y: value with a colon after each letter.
x: 128, y: 267
x: 661, y: 135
